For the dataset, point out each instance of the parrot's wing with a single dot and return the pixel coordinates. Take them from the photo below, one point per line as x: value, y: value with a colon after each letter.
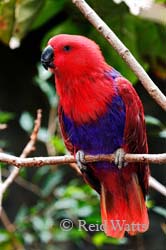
x: 135, y: 140
x: 65, y: 136
x: 88, y: 174
x: 135, y: 131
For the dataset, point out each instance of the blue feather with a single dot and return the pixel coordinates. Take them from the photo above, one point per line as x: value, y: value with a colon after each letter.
x: 102, y: 136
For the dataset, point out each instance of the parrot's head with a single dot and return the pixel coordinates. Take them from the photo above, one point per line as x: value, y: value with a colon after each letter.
x: 80, y: 78
x: 72, y: 54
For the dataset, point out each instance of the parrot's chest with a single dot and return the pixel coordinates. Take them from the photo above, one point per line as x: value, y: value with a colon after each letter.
x: 101, y: 136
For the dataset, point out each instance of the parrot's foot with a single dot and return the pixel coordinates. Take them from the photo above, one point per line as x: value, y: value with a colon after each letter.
x: 80, y: 159
x: 119, y: 158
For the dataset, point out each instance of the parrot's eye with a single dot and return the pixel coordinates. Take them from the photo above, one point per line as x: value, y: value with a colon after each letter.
x: 67, y: 48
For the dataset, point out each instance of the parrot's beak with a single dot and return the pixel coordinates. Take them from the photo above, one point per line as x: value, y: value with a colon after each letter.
x: 47, y: 57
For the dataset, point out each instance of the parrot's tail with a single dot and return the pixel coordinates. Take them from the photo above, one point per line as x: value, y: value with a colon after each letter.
x: 122, y: 205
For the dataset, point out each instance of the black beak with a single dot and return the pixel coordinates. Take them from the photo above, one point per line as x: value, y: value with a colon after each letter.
x: 47, y: 57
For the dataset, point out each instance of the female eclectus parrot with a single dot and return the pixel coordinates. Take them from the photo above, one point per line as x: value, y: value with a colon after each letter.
x: 101, y: 113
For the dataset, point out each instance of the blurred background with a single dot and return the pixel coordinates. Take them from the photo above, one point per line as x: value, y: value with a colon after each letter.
x: 39, y: 199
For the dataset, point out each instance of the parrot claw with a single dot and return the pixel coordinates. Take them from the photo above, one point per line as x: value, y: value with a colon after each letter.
x: 119, y: 158
x: 80, y: 159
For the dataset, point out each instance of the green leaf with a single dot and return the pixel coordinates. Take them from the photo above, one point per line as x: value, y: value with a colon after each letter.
x: 162, y: 134
x: 2, y: 165
x: 8, y: 240
x: 26, y: 121
x: 4, y: 236
x: 160, y: 210
x: 99, y: 239
x: 75, y: 191
x: 58, y: 144
x: 16, y: 18
x: 6, y: 20
x: 3, y: 144
x: 50, y: 182
x: 6, y: 116
x: 28, y: 238
x: 66, y: 203
x: 49, y: 9
x: 84, y: 211
x: 151, y: 39
x: 49, y: 90
x: 41, y: 172
x: 38, y: 223
x: 21, y: 214
x: 61, y: 236
x: 153, y: 121
x: 150, y: 203
x: 25, y: 14
x: 76, y: 234
x: 42, y: 73
x: 160, y: 1
x: 45, y: 236
x: 43, y: 135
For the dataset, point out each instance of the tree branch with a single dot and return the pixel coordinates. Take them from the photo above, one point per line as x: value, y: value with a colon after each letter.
x: 69, y: 159
x: 24, y: 183
x: 26, y: 151
x: 53, y: 160
x: 122, y: 50
x: 6, y: 222
x: 153, y: 183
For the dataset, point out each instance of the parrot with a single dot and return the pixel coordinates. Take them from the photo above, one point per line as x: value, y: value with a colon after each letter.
x: 100, y: 113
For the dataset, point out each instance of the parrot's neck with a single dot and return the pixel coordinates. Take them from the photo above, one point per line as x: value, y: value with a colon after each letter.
x: 86, y: 98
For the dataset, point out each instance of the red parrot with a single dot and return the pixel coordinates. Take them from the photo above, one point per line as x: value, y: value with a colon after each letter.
x: 101, y: 113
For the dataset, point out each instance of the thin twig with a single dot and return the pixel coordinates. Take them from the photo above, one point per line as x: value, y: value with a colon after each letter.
x: 24, y: 183
x: 153, y: 183
x: 6, y: 222
x: 26, y: 151
x: 122, y: 50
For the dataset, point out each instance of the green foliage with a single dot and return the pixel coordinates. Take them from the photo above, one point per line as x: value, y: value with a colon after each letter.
x: 26, y: 121
x: 153, y: 121
x: 50, y: 182
x: 150, y: 203
x: 17, y: 17
x: 58, y: 144
x: 8, y: 241
x: 42, y: 223
x: 42, y: 81
x: 99, y: 239
x: 151, y: 44
x: 6, y: 20
x: 144, y: 38
x: 160, y: 210
x: 49, y: 9
x: 160, y: 1
x: 130, y: 29
x: 157, y: 128
x: 5, y: 117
